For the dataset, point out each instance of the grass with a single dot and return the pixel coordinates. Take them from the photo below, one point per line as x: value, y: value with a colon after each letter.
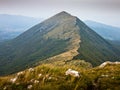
x: 95, y: 49
x: 53, y: 78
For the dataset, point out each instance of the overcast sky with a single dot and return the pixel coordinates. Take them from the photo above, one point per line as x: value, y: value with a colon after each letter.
x: 105, y: 11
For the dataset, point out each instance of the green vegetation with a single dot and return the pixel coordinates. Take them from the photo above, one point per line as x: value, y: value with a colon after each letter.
x: 29, y: 54
x: 56, y: 35
x: 52, y: 77
x: 115, y: 43
x: 47, y: 39
x: 94, y: 48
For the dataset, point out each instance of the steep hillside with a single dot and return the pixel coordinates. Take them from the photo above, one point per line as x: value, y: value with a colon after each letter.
x: 58, y: 39
x: 93, y: 48
x: 115, y: 43
x: 49, y: 38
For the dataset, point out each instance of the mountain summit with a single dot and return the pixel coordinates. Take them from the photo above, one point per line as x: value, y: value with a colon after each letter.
x: 63, y: 14
x: 62, y: 37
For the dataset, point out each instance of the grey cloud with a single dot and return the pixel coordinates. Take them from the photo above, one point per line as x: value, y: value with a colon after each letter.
x: 83, y: 8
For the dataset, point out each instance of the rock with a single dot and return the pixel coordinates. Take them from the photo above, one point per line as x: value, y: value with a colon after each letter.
x: 29, y: 86
x: 39, y: 75
x: 117, y: 62
x: 105, y: 63
x: 49, y: 78
x: 31, y: 70
x: 19, y: 73
x: 36, y: 81
x: 72, y: 73
x: 13, y: 80
x: 108, y: 62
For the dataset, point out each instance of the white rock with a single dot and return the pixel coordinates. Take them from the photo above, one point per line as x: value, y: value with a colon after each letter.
x: 19, y: 73
x: 29, y: 86
x: 50, y: 78
x: 117, y: 62
x: 105, y: 63
x: 108, y: 62
x: 39, y: 75
x: 13, y: 80
x: 31, y: 70
x: 36, y: 81
x: 72, y: 73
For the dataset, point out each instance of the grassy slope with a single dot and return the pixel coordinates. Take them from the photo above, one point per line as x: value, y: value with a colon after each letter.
x: 28, y: 55
x: 115, y: 43
x: 47, y: 39
x: 94, y: 48
x: 54, y: 78
x: 53, y: 37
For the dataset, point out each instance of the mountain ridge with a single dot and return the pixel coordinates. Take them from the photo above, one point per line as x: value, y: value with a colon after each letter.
x: 62, y: 37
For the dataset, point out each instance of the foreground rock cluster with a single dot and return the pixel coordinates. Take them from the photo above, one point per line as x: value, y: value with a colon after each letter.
x: 51, y: 77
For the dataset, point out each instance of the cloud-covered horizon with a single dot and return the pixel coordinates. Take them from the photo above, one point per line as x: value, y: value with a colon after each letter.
x: 106, y: 11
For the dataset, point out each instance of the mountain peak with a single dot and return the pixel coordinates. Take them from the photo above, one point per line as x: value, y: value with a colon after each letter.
x: 63, y: 14
x: 58, y: 39
x: 61, y: 17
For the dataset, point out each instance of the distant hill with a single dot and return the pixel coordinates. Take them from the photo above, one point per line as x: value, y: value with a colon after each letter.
x: 106, y: 31
x: 13, y: 25
x: 58, y: 39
